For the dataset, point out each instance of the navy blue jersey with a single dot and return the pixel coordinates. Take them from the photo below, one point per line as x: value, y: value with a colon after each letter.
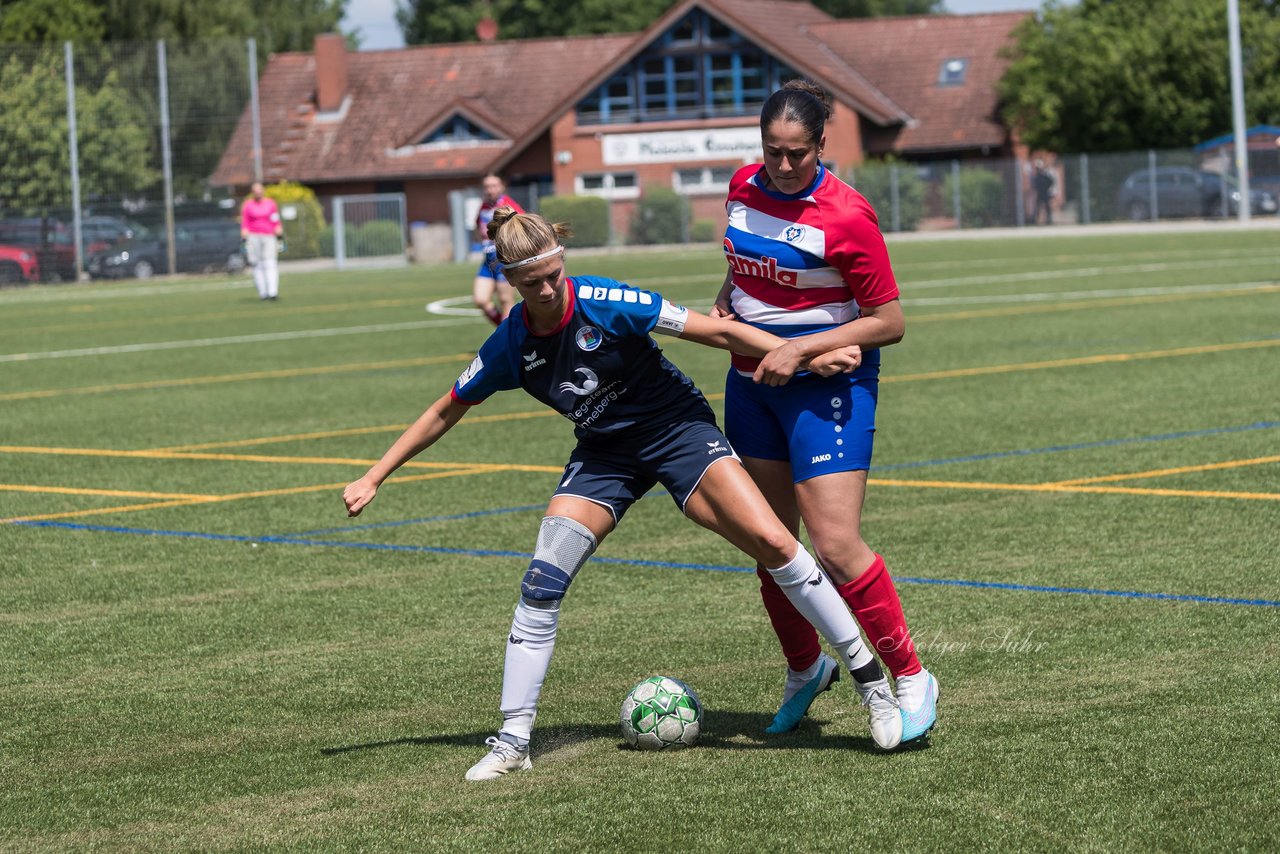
x: 600, y: 369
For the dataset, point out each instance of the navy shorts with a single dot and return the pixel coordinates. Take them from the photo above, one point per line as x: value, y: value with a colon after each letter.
x: 821, y: 425
x: 618, y: 472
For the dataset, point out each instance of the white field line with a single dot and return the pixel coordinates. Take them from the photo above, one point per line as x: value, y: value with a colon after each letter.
x: 1068, y: 296
x: 1092, y: 257
x: 64, y: 293
x: 1087, y: 272
x: 231, y: 339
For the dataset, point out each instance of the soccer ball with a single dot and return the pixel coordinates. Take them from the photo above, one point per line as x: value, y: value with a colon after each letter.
x: 661, y: 713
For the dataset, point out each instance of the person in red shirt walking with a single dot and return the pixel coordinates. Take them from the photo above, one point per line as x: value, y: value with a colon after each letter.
x: 260, y: 228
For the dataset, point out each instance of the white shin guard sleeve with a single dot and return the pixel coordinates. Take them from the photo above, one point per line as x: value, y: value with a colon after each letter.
x: 814, y: 596
x: 529, y: 648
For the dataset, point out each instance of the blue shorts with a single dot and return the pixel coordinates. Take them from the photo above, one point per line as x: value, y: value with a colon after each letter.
x: 617, y: 474
x: 821, y: 425
x: 489, y: 267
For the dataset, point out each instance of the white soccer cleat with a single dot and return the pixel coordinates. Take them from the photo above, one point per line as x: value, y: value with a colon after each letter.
x: 503, y: 758
x: 918, y: 699
x: 886, y: 716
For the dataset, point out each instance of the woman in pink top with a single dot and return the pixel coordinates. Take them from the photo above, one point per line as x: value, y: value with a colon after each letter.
x: 260, y: 228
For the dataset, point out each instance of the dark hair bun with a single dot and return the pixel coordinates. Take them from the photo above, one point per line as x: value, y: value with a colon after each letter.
x: 802, y: 84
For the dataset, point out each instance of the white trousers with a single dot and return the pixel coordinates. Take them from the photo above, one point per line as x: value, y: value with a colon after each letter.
x: 261, y: 249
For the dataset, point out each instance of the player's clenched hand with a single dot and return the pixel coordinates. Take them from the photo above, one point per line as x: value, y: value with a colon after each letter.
x: 722, y: 310
x: 779, y: 365
x: 843, y: 360
x: 357, y: 494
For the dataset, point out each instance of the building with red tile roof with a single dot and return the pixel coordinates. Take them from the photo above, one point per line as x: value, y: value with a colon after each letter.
x: 676, y: 105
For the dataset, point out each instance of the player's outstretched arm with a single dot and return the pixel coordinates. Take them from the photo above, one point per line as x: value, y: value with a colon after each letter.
x: 878, y: 326
x: 422, y: 434
x: 749, y: 341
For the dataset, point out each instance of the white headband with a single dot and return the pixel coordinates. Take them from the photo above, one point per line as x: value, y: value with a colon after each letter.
x: 535, y: 258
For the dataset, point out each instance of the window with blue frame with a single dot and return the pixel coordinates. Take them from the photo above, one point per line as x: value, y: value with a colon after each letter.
x: 699, y: 68
x: 457, y: 129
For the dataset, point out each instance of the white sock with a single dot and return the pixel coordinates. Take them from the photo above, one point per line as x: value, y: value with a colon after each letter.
x: 529, y: 648
x: 809, y: 589
x: 260, y: 280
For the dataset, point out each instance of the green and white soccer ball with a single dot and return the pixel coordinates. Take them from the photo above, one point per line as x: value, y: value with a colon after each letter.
x: 661, y: 713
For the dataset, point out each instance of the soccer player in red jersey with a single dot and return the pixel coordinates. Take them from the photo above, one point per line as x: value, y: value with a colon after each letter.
x: 490, y: 281
x: 807, y: 262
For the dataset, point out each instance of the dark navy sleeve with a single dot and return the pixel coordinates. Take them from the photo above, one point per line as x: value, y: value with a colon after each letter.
x: 619, y: 308
x: 492, y: 370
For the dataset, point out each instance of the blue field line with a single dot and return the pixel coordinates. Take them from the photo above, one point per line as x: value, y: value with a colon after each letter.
x: 712, y: 567
x: 426, y: 520
x: 1104, y: 443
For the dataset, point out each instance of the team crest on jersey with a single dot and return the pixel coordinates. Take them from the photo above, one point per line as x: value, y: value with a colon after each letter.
x: 793, y: 233
x: 588, y: 338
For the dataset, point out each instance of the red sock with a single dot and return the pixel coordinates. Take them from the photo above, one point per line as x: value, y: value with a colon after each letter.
x: 798, y: 638
x: 495, y: 316
x: 875, y: 604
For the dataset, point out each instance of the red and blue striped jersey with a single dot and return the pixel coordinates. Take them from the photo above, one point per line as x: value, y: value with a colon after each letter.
x: 803, y: 262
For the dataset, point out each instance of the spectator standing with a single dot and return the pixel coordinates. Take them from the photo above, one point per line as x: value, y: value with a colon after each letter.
x: 260, y: 229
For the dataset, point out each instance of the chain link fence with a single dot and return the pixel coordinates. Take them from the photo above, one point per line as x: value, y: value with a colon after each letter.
x: 125, y: 136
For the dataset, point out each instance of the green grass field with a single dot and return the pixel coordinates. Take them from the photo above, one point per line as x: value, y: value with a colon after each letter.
x: 1077, y: 486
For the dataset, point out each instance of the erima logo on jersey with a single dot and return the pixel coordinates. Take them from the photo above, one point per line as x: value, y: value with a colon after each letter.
x: 763, y: 267
x: 820, y: 458
x: 472, y: 369
x: 590, y: 385
x: 615, y: 294
x: 588, y: 338
x: 533, y: 361
x: 716, y: 448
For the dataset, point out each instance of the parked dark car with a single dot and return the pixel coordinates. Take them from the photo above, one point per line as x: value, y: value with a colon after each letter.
x: 103, y: 231
x: 201, y: 246
x: 1185, y: 192
x: 18, y: 266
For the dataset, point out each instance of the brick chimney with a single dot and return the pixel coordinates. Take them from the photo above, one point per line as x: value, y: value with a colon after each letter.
x: 331, y: 71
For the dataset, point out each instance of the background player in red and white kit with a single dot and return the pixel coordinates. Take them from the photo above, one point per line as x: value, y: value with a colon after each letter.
x: 806, y: 258
x: 582, y: 346
x: 490, y: 282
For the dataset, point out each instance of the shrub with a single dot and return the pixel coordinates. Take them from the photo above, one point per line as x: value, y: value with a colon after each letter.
x: 376, y: 237
x: 303, y: 231
x: 704, y: 231
x: 589, y: 216
x: 982, y: 197
x: 661, y: 217
x: 873, y: 180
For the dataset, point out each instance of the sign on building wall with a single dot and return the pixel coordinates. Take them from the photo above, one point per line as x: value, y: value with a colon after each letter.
x: 680, y: 146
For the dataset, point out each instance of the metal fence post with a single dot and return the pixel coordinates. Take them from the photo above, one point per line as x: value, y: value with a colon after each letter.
x: 253, y: 109
x: 78, y: 233
x: 955, y: 190
x: 1084, y: 189
x: 166, y: 158
x: 339, y: 234
x: 1152, y: 196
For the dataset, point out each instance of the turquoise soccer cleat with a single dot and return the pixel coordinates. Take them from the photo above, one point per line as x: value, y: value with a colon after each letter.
x: 796, y: 706
x: 918, y: 700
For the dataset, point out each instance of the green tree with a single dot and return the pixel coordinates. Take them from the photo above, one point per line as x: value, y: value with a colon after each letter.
x: 36, y: 177
x: 1119, y: 76
x: 27, y: 21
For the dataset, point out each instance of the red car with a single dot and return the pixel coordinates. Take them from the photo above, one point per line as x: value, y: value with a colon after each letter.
x: 18, y: 266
